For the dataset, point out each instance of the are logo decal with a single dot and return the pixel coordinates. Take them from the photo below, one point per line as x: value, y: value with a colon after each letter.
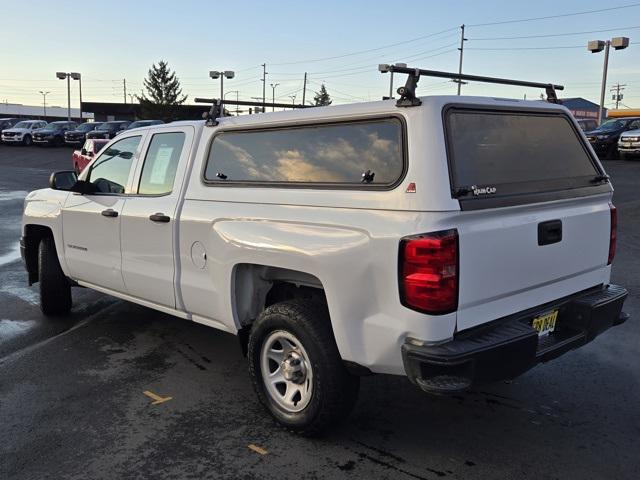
x: 483, y: 190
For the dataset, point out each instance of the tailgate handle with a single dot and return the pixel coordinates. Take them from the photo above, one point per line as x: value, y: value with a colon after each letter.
x: 549, y: 232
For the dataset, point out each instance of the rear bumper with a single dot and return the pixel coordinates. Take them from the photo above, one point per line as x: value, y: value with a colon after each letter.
x: 510, y: 346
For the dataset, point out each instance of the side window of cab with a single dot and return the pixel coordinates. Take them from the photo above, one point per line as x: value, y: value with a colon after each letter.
x: 110, y: 171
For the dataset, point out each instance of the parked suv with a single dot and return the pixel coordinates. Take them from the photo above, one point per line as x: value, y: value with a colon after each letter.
x: 22, y: 132
x: 629, y: 144
x: 604, y: 139
x: 341, y: 241
x: 78, y: 136
x: 6, y: 123
x: 588, y: 125
x: 53, y: 133
x: 109, y: 130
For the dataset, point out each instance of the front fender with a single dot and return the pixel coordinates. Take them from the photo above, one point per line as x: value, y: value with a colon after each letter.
x: 44, y: 208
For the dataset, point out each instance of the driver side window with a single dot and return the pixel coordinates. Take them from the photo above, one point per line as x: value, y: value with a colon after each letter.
x: 110, y: 171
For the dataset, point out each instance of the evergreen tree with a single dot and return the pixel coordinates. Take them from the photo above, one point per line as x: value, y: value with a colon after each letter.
x: 322, y: 98
x: 163, y: 93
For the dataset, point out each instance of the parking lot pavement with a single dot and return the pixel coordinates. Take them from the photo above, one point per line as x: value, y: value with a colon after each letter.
x: 122, y: 391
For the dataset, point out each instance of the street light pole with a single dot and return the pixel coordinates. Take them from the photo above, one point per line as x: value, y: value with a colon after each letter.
x: 595, y: 46
x: 44, y: 102
x: 215, y: 74
x: 77, y: 76
x: 273, y: 95
x: 603, y: 87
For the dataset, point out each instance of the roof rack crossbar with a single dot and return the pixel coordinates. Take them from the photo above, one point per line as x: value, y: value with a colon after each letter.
x: 407, y: 93
x: 245, y: 103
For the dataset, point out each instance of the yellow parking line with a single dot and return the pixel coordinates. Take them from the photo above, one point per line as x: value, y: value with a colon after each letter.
x: 257, y: 449
x: 157, y: 398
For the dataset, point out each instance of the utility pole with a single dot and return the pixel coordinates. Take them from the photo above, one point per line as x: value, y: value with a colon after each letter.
x: 44, y: 102
x: 264, y: 85
x: 273, y: 92
x: 124, y: 86
x: 461, y: 49
x: 304, y: 88
x: 68, y: 97
x: 617, y: 96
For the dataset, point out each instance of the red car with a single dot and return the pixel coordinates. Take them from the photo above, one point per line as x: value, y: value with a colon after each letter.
x: 89, y: 150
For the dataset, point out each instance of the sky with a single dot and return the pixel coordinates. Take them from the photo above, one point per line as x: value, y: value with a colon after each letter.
x: 338, y: 43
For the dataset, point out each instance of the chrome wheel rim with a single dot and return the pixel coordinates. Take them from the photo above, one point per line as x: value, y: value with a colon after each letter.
x: 286, y: 371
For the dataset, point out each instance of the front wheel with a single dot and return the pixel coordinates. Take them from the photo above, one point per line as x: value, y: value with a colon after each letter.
x: 296, y: 368
x: 26, y: 141
x: 55, y: 291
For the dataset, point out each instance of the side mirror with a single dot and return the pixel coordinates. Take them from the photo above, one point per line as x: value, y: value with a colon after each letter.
x: 83, y: 151
x: 64, y: 180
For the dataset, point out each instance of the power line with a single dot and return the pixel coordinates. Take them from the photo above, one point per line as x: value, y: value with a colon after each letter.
x: 562, y: 15
x: 368, y: 50
x: 478, y: 39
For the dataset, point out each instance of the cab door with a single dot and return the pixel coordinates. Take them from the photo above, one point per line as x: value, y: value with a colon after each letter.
x: 149, y: 224
x: 91, y: 223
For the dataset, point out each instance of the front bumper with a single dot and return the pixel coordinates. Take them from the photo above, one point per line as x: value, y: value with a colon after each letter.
x: 508, y: 347
x: 603, y: 147
x: 12, y: 139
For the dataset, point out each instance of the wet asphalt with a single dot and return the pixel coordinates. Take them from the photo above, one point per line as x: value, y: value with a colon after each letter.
x: 72, y: 401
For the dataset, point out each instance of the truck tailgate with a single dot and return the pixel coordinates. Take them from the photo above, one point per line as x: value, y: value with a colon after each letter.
x: 504, y: 268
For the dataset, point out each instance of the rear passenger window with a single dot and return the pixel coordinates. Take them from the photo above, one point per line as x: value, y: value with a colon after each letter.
x: 354, y: 153
x: 161, y: 163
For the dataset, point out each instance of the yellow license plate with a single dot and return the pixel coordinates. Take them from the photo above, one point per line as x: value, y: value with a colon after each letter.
x: 546, y: 323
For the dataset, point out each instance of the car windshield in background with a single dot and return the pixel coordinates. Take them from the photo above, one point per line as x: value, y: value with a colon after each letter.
x: 22, y: 125
x: 86, y: 127
x: 512, y: 153
x: 107, y: 126
x: 611, y: 125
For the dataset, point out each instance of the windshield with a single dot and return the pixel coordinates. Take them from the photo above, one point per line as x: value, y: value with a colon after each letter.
x: 86, y: 127
x: 611, y: 125
x: 106, y: 126
x: 53, y: 126
x: 23, y: 125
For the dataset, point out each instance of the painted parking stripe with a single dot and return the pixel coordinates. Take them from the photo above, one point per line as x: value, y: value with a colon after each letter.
x: 257, y: 449
x: 157, y: 398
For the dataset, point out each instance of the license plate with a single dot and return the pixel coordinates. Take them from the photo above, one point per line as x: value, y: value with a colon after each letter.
x: 545, y: 324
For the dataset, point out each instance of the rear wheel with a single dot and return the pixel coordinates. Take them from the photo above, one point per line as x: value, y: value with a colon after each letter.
x: 296, y: 368
x: 26, y: 140
x: 55, y: 291
x: 58, y: 141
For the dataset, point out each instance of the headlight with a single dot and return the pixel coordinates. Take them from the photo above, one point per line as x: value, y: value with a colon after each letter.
x: 602, y: 137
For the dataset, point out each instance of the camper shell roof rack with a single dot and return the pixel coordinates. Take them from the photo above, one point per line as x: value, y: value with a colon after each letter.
x: 408, y: 92
x: 217, y: 107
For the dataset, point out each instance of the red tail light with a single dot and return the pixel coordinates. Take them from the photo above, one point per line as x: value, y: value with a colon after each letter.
x: 429, y: 272
x: 614, y: 233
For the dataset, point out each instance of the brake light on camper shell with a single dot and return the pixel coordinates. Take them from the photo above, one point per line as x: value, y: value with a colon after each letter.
x: 613, y: 235
x: 428, y: 268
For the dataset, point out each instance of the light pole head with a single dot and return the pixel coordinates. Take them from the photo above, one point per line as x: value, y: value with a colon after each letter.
x: 620, y: 43
x: 61, y: 75
x: 75, y: 75
x: 229, y: 74
x: 214, y: 74
x: 383, y: 67
x: 595, y: 46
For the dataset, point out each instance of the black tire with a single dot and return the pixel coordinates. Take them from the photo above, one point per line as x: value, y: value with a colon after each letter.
x: 58, y: 141
x: 26, y: 140
x: 612, y: 152
x: 334, y: 389
x: 55, y: 291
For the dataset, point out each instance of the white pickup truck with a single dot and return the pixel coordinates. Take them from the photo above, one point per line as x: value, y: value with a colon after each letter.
x: 456, y: 240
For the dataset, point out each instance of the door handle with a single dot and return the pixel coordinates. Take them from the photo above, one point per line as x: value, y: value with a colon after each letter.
x: 159, y: 218
x: 109, y: 212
